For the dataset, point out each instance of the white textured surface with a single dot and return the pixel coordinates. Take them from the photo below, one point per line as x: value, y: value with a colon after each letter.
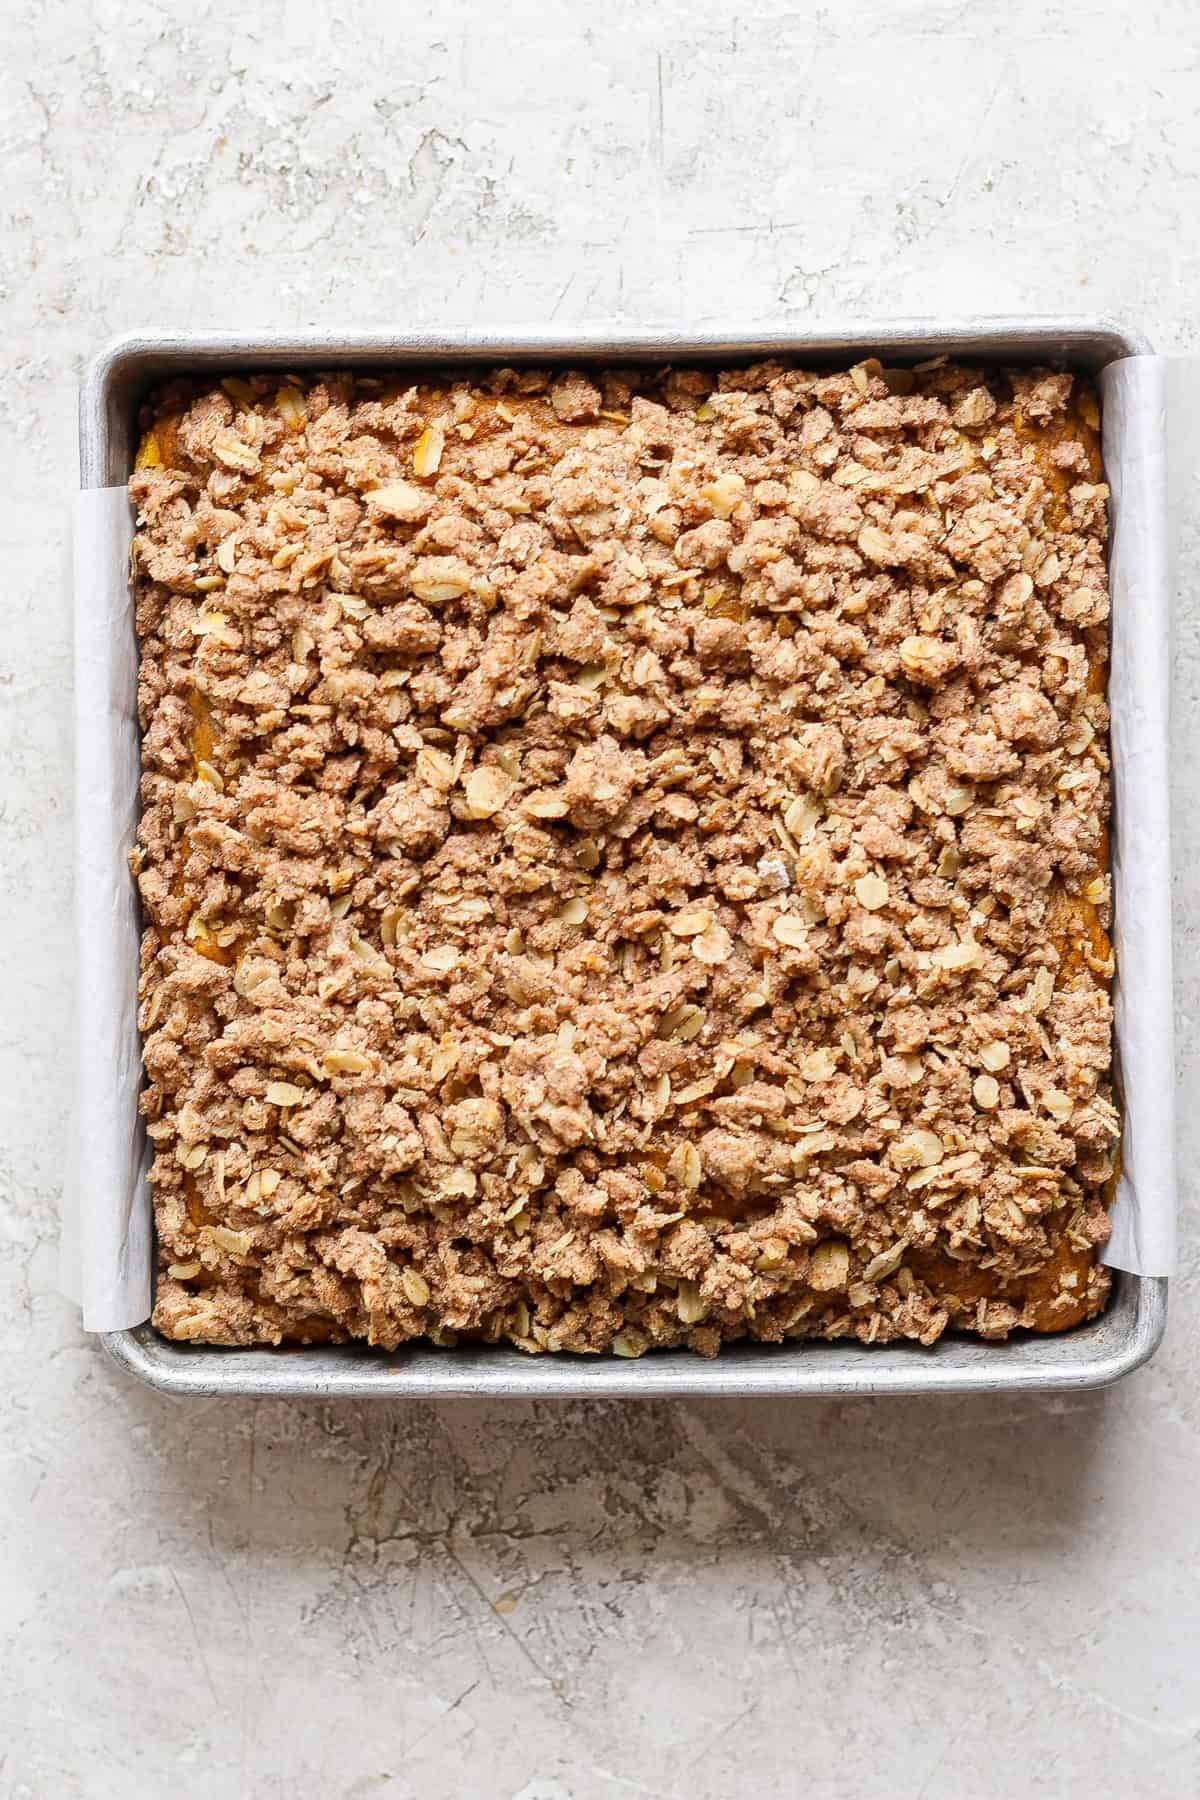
x: 852, y: 1600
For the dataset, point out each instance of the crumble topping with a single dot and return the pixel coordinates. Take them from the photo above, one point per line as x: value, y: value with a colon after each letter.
x: 624, y: 855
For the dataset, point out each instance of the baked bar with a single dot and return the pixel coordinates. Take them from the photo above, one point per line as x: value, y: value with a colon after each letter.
x: 623, y: 855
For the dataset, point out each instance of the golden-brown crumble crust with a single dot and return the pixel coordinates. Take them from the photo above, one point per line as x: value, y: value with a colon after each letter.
x: 623, y: 855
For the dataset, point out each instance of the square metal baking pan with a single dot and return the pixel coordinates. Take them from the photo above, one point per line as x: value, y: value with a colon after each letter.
x: 1090, y: 1356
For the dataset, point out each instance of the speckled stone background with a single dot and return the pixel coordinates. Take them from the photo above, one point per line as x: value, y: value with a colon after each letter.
x: 912, y: 1600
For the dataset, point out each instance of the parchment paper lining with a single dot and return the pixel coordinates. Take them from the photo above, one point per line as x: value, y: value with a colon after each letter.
x: 1133, y: 407
x: 107, y: 1235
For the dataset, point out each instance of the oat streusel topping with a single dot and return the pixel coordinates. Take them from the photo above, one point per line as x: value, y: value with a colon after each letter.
x: 624, y: 855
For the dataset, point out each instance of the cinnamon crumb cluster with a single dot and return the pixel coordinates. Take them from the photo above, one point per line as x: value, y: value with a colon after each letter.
x: 624, y: 856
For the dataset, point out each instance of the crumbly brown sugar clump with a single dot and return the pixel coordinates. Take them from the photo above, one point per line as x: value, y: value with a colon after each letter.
x: 624, y: 856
